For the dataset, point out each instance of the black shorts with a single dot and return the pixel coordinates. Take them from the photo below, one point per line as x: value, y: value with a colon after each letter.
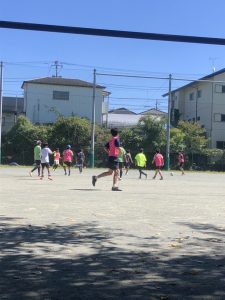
x: 113, y: 163
x: 121, y: 164
x: 181, y: 165
x: 37, y: 162
x: 45, y: 165
x: 67, y: 163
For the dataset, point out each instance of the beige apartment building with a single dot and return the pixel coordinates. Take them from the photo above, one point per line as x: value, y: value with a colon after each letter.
x: 203, y: 101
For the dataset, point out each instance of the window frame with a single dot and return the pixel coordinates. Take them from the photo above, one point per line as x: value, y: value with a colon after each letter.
x: 60, y: 95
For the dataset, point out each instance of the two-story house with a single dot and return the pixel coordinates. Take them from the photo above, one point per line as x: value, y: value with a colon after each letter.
x: 203, y: 101
x: 45, y: 99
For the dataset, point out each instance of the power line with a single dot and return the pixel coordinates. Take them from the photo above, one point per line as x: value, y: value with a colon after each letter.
x: 113, y: 33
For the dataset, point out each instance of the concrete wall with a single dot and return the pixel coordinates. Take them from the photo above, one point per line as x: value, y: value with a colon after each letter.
x: 40, y: 106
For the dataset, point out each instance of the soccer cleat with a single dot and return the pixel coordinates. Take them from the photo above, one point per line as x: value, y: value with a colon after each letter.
x: 116, y: 189
x: 94, y: 179
x: 49, y: 177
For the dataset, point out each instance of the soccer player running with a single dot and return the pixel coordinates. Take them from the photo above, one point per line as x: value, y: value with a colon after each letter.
x: 45, y: 152
x: 112, y: 148
x: 37, y: 158
x: 121, y: 160
x: 57, y: 157
x: 67, y: 159
x: 140, y: 162
x: 80, y: 160
x: 128, y: 161
x: 158, y: 160
x: 181, y: 161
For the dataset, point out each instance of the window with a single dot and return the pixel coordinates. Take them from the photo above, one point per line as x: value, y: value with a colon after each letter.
x: 191, y: 96
x: 59, y: 95
x: 220, y: 88
x: 199, y: 93
x: 219, y: 117
x: 220, y: 144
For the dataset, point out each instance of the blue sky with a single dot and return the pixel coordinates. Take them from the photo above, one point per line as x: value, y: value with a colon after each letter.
x: 28, y: 54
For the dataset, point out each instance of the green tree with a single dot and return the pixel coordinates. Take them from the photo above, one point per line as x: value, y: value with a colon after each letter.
x: 177, y: 140
x: 153, y: 133
x: 131, y: 139
x: 194, y: 136
x: 20, y: 140
x: 70, y: 130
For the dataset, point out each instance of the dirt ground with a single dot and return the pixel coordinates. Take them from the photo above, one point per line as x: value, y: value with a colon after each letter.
x: 157, y: 239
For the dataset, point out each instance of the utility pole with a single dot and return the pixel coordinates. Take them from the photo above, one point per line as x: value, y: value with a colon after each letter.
x: 1, y: 87
x: 196, y: 106
x: 57, y: 67
x: 93, y: 122
x: 168, y: 127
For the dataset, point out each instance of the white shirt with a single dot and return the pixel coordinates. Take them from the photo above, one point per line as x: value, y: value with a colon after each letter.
x: 45, y: 155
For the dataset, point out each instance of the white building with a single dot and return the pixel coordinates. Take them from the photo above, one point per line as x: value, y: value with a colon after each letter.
x: 125, y: 118
x: 45, y: 99
x: 203, y: 101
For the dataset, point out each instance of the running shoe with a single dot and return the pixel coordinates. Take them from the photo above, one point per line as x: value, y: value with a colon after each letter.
x: 116, y: 189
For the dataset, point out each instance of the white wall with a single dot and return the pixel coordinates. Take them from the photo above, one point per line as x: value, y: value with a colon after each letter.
x: 40, y: 106
x: 209, y: 104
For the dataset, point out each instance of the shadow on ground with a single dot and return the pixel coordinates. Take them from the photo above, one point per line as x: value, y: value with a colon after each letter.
x: 40, y: 263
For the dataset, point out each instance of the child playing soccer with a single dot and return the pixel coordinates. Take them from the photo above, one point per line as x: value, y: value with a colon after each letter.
x: 80, y: 160
x: 57, y: 157
x: 45, y: 152
x: 181, y: 161
x: 67, y: 159
x: 158, y: 160
x: 112, y: 148
x: 140, y: 162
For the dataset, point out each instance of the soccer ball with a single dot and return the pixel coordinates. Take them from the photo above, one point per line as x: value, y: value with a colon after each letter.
x: 171, y: 173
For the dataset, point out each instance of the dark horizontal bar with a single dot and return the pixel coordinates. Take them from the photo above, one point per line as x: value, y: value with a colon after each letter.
x: 113, y: 33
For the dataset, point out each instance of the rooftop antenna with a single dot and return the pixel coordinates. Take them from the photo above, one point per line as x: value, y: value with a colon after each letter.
x: 213, y: 59
x: 57, y: 66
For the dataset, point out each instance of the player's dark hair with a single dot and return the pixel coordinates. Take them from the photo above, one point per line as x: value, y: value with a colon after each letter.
x: 114, y: 132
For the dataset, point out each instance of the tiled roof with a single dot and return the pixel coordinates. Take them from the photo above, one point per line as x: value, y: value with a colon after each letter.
x: 153, y: 111
x: 62, y: 81
x: 122, y: 110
